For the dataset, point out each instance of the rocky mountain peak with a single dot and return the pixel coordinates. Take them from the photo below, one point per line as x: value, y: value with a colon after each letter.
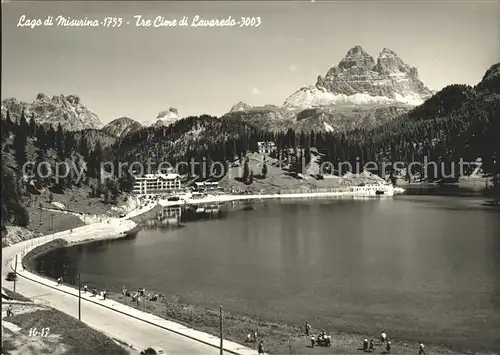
x: 73, y: 99
x: 122, y: 126
x: 240, y: 106
x: 388, y: 62
x: 387, y: 52
x: 165, y: 118
x: 65, y: 110
x: 358, y: 79
x: 170, y: 112
x: 42, y: 97
x: 356, y: 57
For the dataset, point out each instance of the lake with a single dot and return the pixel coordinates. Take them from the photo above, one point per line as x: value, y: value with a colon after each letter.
x: 422, y: 267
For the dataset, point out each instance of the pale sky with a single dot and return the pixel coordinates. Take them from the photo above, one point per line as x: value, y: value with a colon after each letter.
x: 138, y: 72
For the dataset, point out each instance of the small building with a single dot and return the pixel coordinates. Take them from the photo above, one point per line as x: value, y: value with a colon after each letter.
x: 206, y: 186
x: 266, y: 147
x: 157, y: 184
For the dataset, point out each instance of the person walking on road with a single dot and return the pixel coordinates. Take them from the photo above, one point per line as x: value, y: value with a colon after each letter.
x: 372, y: 346
x: 365, y: 345
x: 388, y: 347
x: 313, y: 341
x: 383, y: 336
x: 261, y: 347
x: 85, y: 289
x: 421, y: 347
x: 9, y: 311
x: 308, y: 329
x: 104, y: 293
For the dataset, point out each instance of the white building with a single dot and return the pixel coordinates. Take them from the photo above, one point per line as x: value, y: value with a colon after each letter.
x: 206, y: 186
x: 157, y: 184
x: 266, y: 147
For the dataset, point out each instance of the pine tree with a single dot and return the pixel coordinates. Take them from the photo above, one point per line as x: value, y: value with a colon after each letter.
x: 264, y: 169
x: 32, y: 126
x: 23, y: 124
x: 19, y: 145
x: 307, y: 153
x: 94, y: 162
x: 246, y: 171
x: 83, y: 147
x: 59, y: 138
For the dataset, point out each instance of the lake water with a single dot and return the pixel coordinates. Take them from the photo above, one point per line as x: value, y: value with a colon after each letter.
x: 422, y: 267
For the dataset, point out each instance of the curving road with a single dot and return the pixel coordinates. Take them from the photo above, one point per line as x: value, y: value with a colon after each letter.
x: 135, y: 332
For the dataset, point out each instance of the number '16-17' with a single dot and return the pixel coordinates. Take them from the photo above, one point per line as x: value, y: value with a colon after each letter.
x: 43, y: 332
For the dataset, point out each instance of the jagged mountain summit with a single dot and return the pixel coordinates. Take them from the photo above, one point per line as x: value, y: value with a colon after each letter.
x: 240, y: 106
x: 358, y: 92
x: 358, y: 79
x: 122, y: 126
x: 65, y: 110
x: 165, y: 118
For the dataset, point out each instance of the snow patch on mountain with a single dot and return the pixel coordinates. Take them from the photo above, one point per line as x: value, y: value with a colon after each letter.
x: 313, y: 97
x: 328, y: 127
x: 165, y: 118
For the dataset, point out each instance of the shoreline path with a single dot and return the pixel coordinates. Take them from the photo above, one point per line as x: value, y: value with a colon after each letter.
x: 138, y: 329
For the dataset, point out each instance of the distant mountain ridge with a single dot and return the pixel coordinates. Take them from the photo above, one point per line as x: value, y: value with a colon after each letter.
x: 65, y: 110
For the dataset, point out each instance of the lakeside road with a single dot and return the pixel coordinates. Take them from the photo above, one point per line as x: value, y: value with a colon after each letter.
x: 306, y: 195
x: 129, y: 325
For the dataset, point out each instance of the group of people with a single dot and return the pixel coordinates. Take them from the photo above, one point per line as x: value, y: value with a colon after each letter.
x: 369, y: 346
x: 94, y: 292
x: 139, y: 294
x: 85, y: 289
x: 322, y: 340
x: 251, y: 338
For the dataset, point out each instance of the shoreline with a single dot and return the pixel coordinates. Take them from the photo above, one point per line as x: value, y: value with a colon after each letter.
x: 278, y: 337
x: 212, y: 198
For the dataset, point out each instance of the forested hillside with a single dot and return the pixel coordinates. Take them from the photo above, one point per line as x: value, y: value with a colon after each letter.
x: 458, y: 122
x: 42, y: 152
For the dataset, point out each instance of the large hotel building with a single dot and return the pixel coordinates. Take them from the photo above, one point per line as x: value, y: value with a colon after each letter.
x: 157, y: 184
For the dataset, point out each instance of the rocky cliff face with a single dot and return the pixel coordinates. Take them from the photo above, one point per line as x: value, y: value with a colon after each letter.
x: 359, y: 79
x: 359, y: 92
x: 122, y: 126
x: 65, y: 110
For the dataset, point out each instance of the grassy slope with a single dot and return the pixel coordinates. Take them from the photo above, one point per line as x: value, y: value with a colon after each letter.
x: 67, y: 336
x: 279, y: 338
